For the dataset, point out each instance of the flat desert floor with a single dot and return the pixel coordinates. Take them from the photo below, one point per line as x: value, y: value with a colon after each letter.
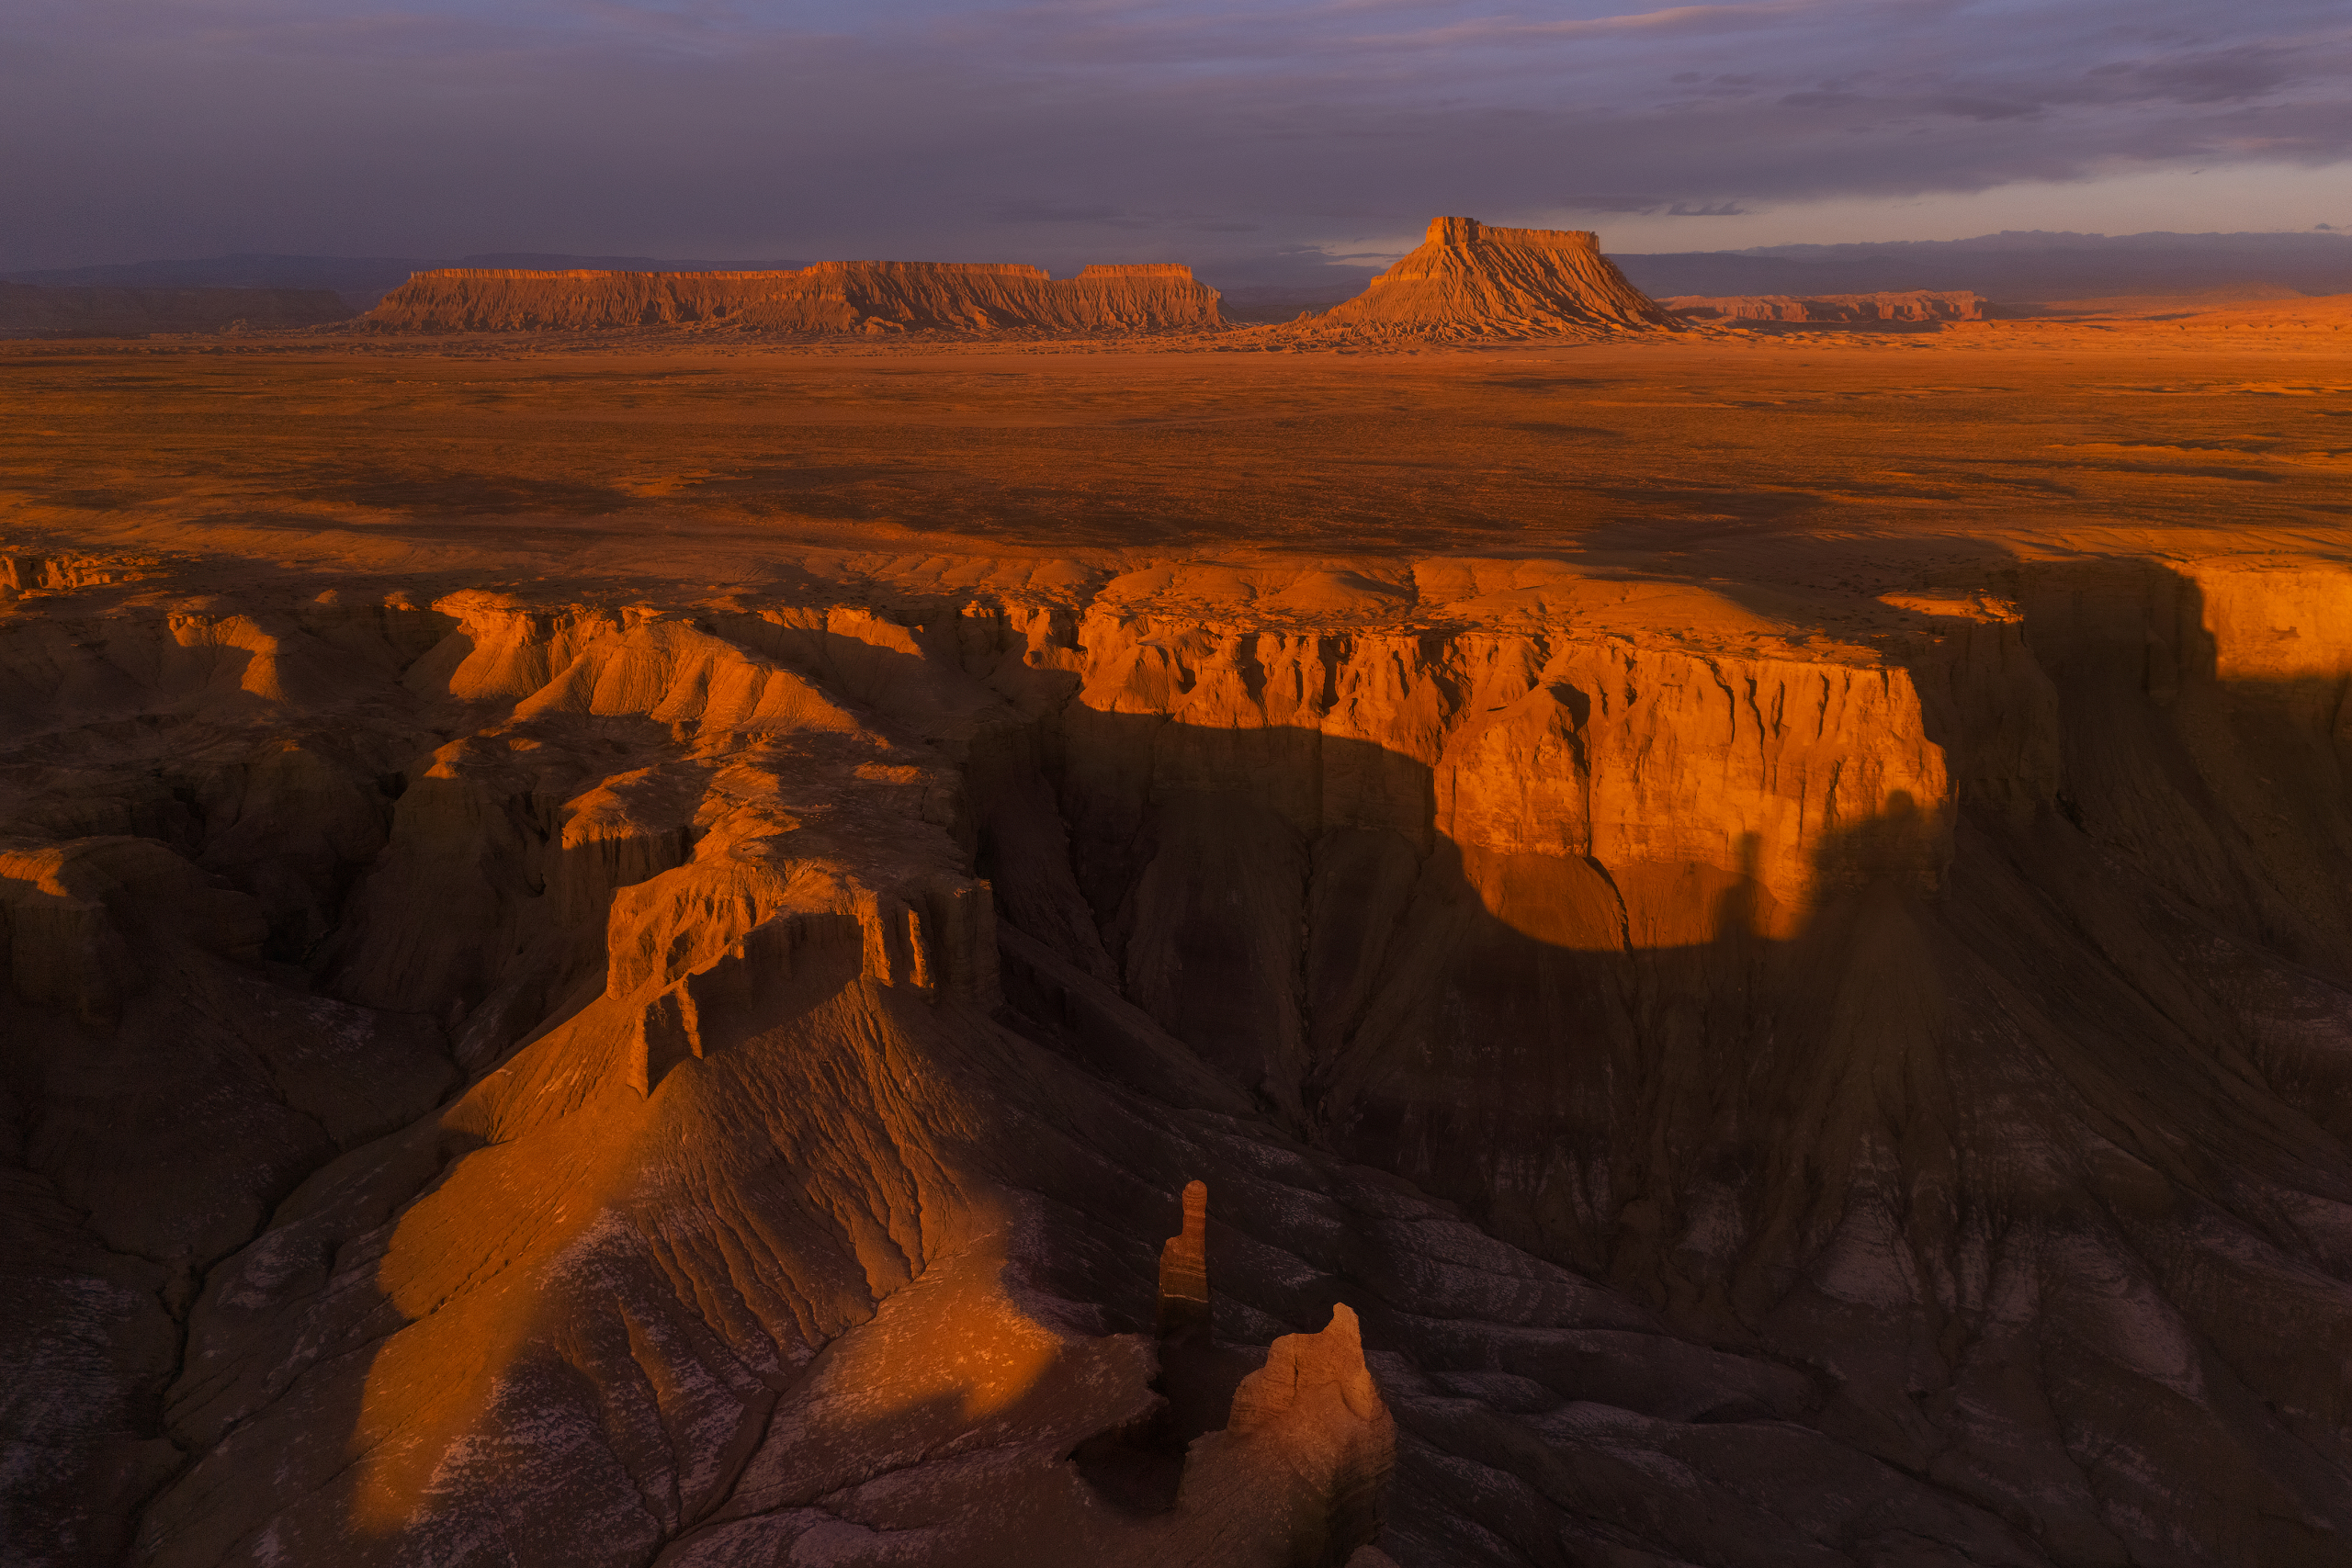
x: 1801, y: 475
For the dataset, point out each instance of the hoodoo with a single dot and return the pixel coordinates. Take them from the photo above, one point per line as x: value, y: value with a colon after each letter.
x: 875, y: 297
x: 1184, y: 1267
x: 1468, y: 280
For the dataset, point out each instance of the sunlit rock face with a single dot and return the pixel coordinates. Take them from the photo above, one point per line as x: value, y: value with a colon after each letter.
x: 876, y: 298
x: 1470, y: 280
x: 508, y: 1079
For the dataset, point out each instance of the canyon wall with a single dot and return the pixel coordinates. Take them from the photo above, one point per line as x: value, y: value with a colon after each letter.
x: 875, y: 297
x: 708, y: 1083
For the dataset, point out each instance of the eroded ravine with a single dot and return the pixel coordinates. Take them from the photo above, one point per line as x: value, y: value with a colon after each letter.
x: 608, y: 1082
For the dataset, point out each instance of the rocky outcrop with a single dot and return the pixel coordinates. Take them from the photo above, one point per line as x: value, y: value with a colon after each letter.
x: 1521, y: 915
x: 1919, y: 305
x: 1468, y: 280
x: 558, y: 1081
x: 1184, y: 1268
x: 874, y: 298
x: 35, y: 310
x: 1296, y: 1476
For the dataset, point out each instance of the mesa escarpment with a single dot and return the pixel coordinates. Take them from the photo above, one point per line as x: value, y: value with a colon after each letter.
x: 874, y: 298
x: 1467, y: 282
x: 727, y: 1063
x: 1472, y: 281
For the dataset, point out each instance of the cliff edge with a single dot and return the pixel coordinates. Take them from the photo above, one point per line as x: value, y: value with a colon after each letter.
x: 875, y: 297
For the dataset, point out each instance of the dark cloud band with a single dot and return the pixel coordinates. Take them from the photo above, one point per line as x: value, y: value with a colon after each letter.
x: 1062, y: 132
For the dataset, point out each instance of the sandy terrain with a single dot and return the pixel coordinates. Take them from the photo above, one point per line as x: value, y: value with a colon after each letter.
x: 620, y: 951
x: 1830, y: 466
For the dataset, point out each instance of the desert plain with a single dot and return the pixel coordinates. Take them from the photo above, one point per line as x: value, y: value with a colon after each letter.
x: 621, y: 948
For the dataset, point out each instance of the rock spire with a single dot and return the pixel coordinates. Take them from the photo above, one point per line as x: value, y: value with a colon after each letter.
x: 1184, y: 1269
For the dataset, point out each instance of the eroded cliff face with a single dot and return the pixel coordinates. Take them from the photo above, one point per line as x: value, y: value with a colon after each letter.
x: 874, y: 298
x: 1470, y: 280
x: 1916, y: 1021
x: 505, y: 1080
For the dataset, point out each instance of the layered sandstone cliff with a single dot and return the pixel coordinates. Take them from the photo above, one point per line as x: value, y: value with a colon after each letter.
x: 875, y: 297
x: 1470, y: 280
x: 539, y: 1080
x: 1918, y: 305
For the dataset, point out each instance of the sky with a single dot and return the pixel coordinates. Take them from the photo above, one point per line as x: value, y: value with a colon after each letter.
x: 1265, y: 140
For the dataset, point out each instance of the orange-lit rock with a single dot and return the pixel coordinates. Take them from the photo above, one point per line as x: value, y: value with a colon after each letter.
x: 1470, y: 280
x: 1761, y: 1023
x: 873, y: 297
x: 1184, y: 1268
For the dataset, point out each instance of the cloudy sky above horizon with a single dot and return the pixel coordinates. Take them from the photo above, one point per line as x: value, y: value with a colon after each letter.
x: 1262, y: 140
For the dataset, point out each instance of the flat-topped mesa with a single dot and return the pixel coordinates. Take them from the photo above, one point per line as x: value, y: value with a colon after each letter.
x: 1468, y: 280
x: 872, y: 297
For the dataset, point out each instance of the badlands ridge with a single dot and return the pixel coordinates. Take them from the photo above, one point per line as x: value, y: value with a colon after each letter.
x: 632, y: 959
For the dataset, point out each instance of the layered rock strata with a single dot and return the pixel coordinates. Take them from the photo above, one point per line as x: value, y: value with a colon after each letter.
x: 546, y: 1081
x: 1470, y: 280
x: 874, y: 298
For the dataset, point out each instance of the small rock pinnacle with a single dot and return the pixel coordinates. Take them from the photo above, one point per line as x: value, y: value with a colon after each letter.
x: 1184, y: 1269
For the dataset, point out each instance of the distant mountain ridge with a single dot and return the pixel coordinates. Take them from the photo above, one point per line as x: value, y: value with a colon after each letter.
x: 1914, y: 308
x: 361, y: 281
x: 104, y: 310
x: 2014, y: 267
x: 2304, y: 242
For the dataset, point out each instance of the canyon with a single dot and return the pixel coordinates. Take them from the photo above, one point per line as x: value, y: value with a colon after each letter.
x: 632, y: 957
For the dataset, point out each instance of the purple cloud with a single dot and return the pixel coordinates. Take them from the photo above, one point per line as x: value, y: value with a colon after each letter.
x: 1067, y: 131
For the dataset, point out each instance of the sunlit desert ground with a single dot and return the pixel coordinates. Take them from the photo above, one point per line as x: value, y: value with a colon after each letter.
x: 1798, y: 477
